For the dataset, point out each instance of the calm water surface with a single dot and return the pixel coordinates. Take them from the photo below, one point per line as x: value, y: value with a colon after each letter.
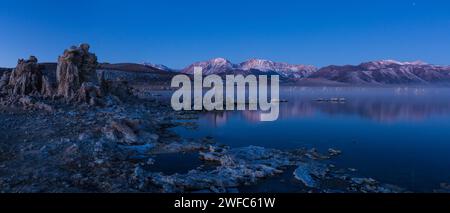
x: 395, y: 135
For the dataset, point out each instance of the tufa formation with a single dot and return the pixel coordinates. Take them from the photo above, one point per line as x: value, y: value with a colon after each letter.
x: 76, y: 80
x: 26, y: 79
x: 76, y: 75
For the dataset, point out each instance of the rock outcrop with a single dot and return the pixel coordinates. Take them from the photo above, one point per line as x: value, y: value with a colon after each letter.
x: 76, y: 75
x: 75, y: 79
x: 25, y: 79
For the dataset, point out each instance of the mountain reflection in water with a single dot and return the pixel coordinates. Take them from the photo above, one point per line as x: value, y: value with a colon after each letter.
x: 378, y: 104
x: 396, y: 135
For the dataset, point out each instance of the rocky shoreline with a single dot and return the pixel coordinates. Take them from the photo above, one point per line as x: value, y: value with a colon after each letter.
x: 75, y: 131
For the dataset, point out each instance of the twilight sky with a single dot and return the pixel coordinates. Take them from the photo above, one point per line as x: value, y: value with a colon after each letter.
x: 177, y: 33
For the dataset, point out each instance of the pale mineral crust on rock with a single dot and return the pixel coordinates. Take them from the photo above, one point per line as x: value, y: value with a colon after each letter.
x: 307, y: 172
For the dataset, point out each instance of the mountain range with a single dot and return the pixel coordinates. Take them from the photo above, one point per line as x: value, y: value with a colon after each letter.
x: 382, y: 72
x: 252, y: 66
x: 385, y: 72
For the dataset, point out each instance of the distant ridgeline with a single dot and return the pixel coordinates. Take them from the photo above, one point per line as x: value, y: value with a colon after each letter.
x: 134, y: 73
x: 384, y: 72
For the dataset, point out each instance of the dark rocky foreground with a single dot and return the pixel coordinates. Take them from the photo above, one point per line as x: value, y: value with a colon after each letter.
x: 75, y: 130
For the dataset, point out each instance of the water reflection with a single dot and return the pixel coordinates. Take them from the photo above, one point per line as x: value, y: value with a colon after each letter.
x: 395, y: 135
x: 379, y: 104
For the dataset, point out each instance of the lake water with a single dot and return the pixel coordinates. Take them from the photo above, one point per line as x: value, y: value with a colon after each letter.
x: 395, y: 135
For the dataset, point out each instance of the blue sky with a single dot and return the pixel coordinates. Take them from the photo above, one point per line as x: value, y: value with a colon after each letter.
x: 177, y: 33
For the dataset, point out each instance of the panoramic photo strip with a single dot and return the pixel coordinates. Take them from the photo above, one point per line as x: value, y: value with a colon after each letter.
x: 222, y: 105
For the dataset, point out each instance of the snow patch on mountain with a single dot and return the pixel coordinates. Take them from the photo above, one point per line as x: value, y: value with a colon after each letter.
x: 283, y: 69
x: 386, y: 72
x: 221, y: 66
x: 158, y: 66
x: 213, y: 66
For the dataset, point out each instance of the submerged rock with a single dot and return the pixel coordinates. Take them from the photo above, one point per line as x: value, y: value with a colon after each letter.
x: 334, y: 152
x: 180, y: 146
x: 240, y: 166
x: 369, y: 185
x: 313, y: 154
x: 247, y: 165
x: 307, y: 172
x: 246, y: 155
x: 216, y: 180
x: 303, y: 174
